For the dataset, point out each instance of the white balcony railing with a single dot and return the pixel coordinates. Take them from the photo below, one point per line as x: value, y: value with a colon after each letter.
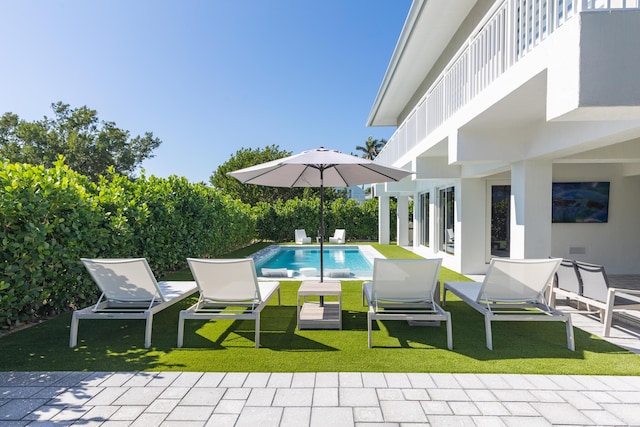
x: 507, y: 33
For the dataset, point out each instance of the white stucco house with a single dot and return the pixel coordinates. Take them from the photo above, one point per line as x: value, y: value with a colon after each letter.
x: 521, y: 121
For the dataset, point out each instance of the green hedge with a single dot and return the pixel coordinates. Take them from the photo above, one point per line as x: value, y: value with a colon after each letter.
x: 276, y: 222
x: 52, y: 217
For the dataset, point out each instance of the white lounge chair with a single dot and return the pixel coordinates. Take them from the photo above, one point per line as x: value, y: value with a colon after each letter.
x: 129, y: 291
x: 229, y: 289
x: 403, y: 289
x: 301, y: 237
x: 588, y: 284
x: 339, y: 236
x: 513, y: 290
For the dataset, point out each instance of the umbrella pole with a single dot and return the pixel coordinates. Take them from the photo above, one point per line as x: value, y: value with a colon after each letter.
x: 321, y: 231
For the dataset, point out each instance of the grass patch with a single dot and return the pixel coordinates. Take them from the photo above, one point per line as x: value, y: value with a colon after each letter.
x: 117, y: 345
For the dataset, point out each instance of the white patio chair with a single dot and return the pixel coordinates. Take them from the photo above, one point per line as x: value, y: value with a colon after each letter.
x: 339, y: 236
x: 301, y: 237
x: 229, y: 289
x: 513, y: 290
x: 129, y: 291
x: 403, y: 289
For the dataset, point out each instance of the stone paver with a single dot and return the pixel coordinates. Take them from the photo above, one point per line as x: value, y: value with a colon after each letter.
x: 315, y: 399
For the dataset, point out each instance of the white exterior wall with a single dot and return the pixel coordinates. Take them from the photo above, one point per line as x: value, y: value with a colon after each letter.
x: 613, y: 244
x: 568, y: 111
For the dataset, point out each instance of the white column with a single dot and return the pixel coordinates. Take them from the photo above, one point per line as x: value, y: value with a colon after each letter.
x: 402, y: 223
x: 531, y: 209
x: 383, y: 220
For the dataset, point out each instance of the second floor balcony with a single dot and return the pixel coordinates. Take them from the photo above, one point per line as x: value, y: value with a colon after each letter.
x: 510, y: 32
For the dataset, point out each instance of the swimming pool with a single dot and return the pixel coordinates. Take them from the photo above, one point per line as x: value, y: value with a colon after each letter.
x: 346, y: 262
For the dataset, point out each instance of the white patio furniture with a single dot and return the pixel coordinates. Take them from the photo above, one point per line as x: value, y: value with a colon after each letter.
x: 403, y: 289
x: 129, y: 291
x: 229, y: 289
x: 588, y: 285
x: 274, y: 272
x: 337, y: 272
x: 301, y: 237
x: 513, y: 290
x: 339, y: 236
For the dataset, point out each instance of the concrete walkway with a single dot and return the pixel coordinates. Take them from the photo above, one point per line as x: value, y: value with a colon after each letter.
x: 322, y: 399
x: 315, y: 399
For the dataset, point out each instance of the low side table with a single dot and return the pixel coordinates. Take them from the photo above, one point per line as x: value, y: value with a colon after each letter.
x: 312, y: 315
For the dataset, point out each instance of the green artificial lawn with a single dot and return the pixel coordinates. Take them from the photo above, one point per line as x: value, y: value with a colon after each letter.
x: 117, y: 345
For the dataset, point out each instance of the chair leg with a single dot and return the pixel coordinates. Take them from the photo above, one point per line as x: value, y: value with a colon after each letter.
x: 258, y: 331
x: 487, y: 327
x: 147, y: 333
x: 180, y: 330
x: 570, y: 338
x: 369, y: 328
x: 73, y: 337
x: 449, y: 332
x: 608, y: 313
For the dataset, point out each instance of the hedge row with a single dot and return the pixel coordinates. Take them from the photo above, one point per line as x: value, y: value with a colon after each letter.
x: 276, y: 222
x: 50, y: 218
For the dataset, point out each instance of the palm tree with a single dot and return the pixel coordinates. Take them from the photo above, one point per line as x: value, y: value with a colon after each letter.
x: 371, y: 148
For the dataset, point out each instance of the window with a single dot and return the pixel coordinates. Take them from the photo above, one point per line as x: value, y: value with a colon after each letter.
x: 447, y: 220
x: 423, y: 220
x: 500, y: 220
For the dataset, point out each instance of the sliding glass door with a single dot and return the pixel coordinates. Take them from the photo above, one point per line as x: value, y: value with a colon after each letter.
x: 447, y: 220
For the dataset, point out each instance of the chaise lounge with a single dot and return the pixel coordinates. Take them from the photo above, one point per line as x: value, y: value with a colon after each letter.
x: 229, y: 289
x: 403, y: 289
x: 129, y: 291
x: 513, y: 290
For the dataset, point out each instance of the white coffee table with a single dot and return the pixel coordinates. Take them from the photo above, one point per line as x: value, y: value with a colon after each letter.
x: 312, y: 314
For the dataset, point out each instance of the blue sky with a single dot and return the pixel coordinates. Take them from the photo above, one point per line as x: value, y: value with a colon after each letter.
x: 207, y: 77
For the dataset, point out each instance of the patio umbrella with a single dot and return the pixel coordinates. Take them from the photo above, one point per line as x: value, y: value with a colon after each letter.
x: 319, y: 168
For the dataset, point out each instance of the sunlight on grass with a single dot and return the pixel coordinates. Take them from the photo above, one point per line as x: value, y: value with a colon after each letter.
x: 117, y: 345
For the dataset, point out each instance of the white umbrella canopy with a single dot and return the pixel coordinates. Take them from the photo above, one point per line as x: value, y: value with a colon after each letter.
x: 303, y: 170
x: 319, y: 168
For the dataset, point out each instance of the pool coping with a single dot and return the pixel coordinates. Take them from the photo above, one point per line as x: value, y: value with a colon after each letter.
x: 366, y: 250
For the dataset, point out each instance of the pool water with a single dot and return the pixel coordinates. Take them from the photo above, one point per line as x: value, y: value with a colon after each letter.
x: 294, y: 258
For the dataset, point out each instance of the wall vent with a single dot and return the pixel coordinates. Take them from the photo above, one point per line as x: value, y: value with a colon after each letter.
x: 577, y: 250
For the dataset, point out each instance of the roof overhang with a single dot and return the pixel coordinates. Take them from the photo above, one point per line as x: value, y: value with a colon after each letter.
x: 427, y: 31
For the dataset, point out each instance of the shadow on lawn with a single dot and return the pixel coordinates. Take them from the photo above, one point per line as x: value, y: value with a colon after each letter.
x: 117, y: 345
x: 511, y: 340
x: 277, y: 333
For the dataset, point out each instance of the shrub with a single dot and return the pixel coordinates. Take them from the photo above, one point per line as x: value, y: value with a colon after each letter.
x: 53, y: 217
x: 49, y: 220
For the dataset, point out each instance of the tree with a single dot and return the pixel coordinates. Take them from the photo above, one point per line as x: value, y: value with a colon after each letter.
x: 372, y: 148
x: 89, y: 146
x: 252, y: 194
